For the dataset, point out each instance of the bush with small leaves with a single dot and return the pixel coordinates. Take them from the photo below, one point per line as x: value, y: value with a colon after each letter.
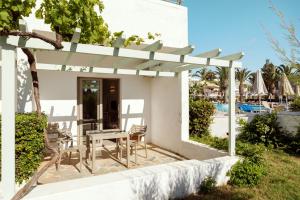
x: 263, y: 129
x: 208, y: 185
x: 295, y: 105
x: 29, y: 141
x: 247, y: 173
x: 201, y: 112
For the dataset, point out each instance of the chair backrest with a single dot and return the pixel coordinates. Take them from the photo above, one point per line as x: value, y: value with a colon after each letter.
x: 138, y: 129
x: 52, y: 128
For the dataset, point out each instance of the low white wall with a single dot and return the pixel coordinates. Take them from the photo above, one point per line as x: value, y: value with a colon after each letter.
x: 289, y: 121
x: 166, y: 181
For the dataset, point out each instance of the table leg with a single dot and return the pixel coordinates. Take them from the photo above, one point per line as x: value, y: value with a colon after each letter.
x: 127, y: 148
x: 88, y: 151
x: 93, y: 155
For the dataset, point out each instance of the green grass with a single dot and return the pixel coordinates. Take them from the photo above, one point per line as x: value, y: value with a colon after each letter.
x: 281, y: 182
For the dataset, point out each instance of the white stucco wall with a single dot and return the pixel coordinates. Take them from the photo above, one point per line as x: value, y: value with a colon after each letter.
x: 58, y: 89
x: 136, y: 17
x: 166, y: 181
x: 58, y: 92
x: 289, y: 121
x: 140, y: 17
x: 165, y: 110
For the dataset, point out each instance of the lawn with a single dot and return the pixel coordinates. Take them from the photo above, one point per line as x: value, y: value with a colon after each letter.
x: 281, y: 182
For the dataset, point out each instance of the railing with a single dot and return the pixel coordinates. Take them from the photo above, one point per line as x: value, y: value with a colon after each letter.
x: 179, y: 2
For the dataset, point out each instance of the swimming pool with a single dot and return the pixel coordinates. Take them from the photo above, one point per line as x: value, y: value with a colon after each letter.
x: 222, y: 107
x: 244, y: 107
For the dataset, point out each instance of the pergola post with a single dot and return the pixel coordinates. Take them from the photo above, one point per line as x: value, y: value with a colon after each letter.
x: 231, y: 111
x: 8, y: 87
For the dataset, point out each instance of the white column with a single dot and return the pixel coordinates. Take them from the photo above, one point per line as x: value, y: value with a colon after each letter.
x: 184, y: 87
x: 231, y: 111
x: 8, y: 86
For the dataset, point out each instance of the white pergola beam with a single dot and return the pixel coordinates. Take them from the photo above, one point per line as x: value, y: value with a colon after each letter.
x: 185, y: 50
x: 119, y: 42
x: 210, y: 62
x: 210, y: 54
x: 154, y: 46
x: 122, y: 52
x: 182, y: 51
x: 233, y: 57
x: 100, y: 70
x: 76, y: 35
x: 147, y: 64
x: 231, y: 111
x: 151, y: 47
x: 8, y: 87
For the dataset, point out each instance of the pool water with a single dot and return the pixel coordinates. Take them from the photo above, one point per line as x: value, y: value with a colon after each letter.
x: 250, y: 107
x: 222, y: 107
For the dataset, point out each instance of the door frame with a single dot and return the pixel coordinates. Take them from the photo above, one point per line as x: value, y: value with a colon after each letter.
x: 99, y: 105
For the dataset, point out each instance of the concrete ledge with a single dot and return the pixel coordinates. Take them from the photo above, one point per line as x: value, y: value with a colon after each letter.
x: 173, y: 180
x: 199, y: 151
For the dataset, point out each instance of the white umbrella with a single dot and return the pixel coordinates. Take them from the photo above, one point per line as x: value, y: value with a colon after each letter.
x: 286, y: 88
x: 297, y: 91
x: 259, y: 86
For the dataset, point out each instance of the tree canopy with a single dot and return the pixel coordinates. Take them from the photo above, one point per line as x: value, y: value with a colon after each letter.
x: 11, y: 11
x: 64, y: 16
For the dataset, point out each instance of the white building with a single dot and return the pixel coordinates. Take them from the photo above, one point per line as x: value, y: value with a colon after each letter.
x: 111, y: 85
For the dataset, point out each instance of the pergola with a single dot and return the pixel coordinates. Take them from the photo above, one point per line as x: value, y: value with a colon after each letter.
x: 146, y: 60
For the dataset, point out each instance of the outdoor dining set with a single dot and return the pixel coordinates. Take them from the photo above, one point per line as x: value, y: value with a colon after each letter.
x: 124, y: 143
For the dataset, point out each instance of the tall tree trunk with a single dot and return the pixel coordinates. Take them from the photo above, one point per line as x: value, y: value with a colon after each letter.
x: 35, y: 80
x: 241, y: 91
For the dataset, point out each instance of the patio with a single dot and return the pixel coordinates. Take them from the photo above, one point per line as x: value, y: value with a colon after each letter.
x: 151, y: 89
x: 107, y: 164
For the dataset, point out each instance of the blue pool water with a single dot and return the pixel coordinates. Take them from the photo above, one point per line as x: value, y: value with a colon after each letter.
x: 221, y: 107
x: 244, y: 107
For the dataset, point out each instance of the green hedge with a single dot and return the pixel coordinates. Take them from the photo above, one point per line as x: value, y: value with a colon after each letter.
x: 201, y: 112
x: 295, y: 105
x: 29, y: 144
x: 265, y: 129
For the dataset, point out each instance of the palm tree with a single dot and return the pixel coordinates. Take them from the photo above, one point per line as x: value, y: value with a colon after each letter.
x: 242, y: 75
x: 222, y: 74
x: 271, y: 76
x: 252, y: 78
x: 205, y: 74
x: 288, y: 70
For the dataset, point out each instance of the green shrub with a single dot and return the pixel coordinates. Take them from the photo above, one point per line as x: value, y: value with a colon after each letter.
x: 252, y: 152
x: 263, y: 129
x: 201, y: 112
x: 208, y: 185
x: 295, y: 105
x: 246, y: 173
x: 251, y: 169
x: 29, y: 141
